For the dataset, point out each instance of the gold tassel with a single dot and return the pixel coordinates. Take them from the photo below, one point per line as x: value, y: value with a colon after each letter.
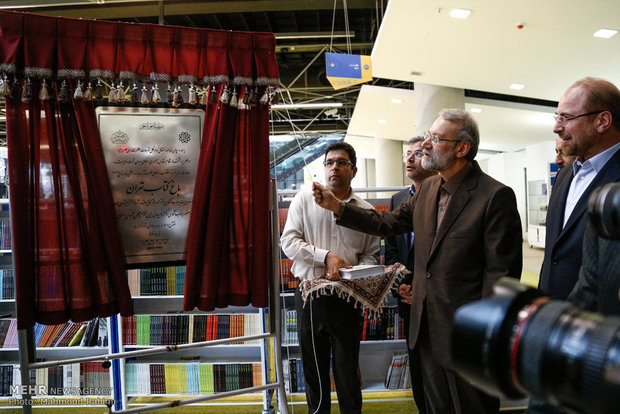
x: 120, y: 93
x: 99, y: 90
x: 88, y: 93
x: 192, y: 95
x: 178, y: 97
x: 213, y: 95
x: 5, y: 88
x: 274, y: 97
x: 112, y: 93
x: 27, y: 91
x: 204, y: 96
x: 225, y: 98
x: 254, y: 97
x: 169, y: 96
x: 155, y: 97
x: 44, y: 93
x: 134, y: 97
x: 78, y: 94
x: 234, y: 102
x: 63, y: 94
x: 247, y: 95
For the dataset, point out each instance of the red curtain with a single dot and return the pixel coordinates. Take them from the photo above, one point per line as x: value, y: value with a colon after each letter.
x: 68, y: 254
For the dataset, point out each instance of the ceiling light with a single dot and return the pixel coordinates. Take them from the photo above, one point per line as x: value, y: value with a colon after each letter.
x: 517, y: 86
x: 605, y: 33
x: 382, y: 121
x: 476, y: 110
x: 372, y: 134
x: 460, y: 13
x: 396, y: 100
x: 307, y: 105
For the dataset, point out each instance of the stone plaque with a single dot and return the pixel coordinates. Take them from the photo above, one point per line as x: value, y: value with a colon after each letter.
x: 152, y: 157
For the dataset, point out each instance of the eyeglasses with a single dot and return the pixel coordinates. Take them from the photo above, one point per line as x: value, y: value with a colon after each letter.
x: 436, y: 140
x: 417, y: 154
x: 341, y: 162
x: 562, y: 119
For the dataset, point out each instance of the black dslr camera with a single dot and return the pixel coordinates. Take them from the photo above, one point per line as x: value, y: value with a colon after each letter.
x: 519, y: 342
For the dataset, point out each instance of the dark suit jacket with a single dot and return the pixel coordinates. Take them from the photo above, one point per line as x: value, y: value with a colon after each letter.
x: 397, y: 247
x: 478, y: 242
x: 599, y: 278
x: 397, y: 250
x: 563, y: 246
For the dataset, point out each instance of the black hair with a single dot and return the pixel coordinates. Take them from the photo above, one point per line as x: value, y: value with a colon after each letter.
x: 341, y: 145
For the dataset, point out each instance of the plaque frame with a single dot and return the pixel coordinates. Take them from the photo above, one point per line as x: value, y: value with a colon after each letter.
x: 151, y: 156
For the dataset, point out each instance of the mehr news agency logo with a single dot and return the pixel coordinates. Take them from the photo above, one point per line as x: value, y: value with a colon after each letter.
x: 73, y: 395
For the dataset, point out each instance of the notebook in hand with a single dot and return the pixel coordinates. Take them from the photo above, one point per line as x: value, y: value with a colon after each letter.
x: 360, y: 271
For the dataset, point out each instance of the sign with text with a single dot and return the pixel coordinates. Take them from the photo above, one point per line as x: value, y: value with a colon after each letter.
x: 345, y: 70
x: 152, y: 157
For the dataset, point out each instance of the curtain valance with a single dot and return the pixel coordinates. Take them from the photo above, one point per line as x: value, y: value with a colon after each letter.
x: 69, y: 261
x: 46, y: 49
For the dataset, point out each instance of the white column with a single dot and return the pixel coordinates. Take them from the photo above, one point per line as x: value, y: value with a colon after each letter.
x: 389, y: 163
x: 430, y: 99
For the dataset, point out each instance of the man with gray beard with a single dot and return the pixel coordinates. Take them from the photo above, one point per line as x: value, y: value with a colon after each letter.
x: 467, y: 236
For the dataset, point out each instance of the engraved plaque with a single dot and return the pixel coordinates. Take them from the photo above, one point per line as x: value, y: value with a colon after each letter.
x: 152, y: 156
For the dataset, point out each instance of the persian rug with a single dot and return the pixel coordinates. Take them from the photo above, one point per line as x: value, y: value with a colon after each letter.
x: 369, y: 291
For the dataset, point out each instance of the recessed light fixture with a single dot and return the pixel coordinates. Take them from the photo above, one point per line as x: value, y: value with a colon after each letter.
x: 460, y: 13
x: 396, y: 100
x: 476, y: 110
x: 605, y: 33
x: 517, y: 86
x: 382, y: 121
x: 372, y: 134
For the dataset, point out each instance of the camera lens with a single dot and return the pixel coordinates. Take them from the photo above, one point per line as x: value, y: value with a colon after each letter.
x: 604, y: 207
x: 519, y: 342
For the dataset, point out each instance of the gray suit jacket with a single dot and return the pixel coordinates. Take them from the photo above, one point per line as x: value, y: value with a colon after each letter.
x: 478, y: 241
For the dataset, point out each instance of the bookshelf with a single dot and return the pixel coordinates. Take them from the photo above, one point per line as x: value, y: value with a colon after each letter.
x: 158, y: 321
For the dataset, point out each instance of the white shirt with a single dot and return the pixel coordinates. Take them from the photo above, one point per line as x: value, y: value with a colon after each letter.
x: 584, y: 173
x: 311, y: 232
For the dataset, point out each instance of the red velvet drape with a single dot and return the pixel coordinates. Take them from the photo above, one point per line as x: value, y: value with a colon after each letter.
x: 68, y: 254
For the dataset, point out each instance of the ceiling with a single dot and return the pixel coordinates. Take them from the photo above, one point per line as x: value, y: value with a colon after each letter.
x: 419, y: 42
x: 483, y: 55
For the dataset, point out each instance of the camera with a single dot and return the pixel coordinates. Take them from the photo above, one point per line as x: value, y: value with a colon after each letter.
x: 518, y: 342
x: 604, y: 209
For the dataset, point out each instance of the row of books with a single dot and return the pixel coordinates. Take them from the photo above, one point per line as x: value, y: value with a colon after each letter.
x: 183, y: 329
x: 86, y: 378
x: 398, y: 377
x: 190, y: 378
x: 5, y: 234
x: 293, y: 374
x: 294, y: 378
x: 92, y: 333
x: 8, y: 333
x: 386, y: 326
x: 7, y: 284
x: 162, y: 281
x: 288, y: 282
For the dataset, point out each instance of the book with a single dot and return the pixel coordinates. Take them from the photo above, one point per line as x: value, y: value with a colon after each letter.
x: 361, y: 271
